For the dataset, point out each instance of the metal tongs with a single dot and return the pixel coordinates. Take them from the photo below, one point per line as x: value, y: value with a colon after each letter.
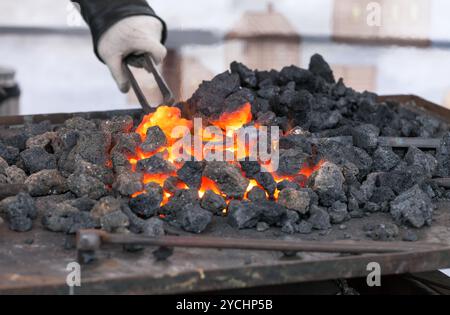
x: 146, y: 61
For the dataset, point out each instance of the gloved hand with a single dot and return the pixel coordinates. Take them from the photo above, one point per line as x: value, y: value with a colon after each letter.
x: 133, y: 35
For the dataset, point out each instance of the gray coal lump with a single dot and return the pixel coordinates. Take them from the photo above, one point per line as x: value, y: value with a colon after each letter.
x: 333, y: 151
x: 194, y: 219
x: 105, y: 206
x: 295, y: 200
x: 146, y: 204
x: 385, y: 159
x: 118, y: 124
x: 15, y: 175
x: 37, y: 159
x: 228, y: 177
x: 381, y: 232
x: 153, y: 227
x: 46, y: 182
x: 319, y: 219
x: 94, y: 147
x: 270, y: 211
x: 328, y: 183
x: 155, y: 164
x: 127, y: 183
x: 19, y: 211
x: 172, y: 184
x: 243, y: 214
x: 67, y: 219
x: 80, y: 124
x: 3, y: 166
x: 289, y: 222
x: 413, y: 208
x: 181, y: 199
x: 155, y: 140
x: 338, y: 212
x: 304, y: 227
x: 82, y: 185
x: 256, y: 194
x: 291, y: 161
x: 366, y: 136
x: 83, y: 204
x: 100, y: 172
x: 425, y: 161
x: 47, y: 141
x: 115, y: 221
x: 191, y: 173
x: 213, y: 202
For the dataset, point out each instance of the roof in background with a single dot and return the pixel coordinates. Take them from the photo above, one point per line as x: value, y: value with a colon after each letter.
x: 263, y: 23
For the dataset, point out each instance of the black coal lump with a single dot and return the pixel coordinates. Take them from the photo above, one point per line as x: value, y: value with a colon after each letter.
x: 235, y: 101
x: 413, y: 207
x: 191, y: 173
x: 180, y: 199
x: 94, y: 146
x: 247, y: 76
x: 37, y: 159
x: 213, y: 202
x: 270, y: 211
x: 228, y: 177
x: 243, y: 214
x: 425, y: 161
x: 155, y: 139
x: 256, y: 194
x: 382, y: 231
x: 320, y: 67
x: 194, y: 219
x: 146, y: 204
x: 385, y: 159
x: 155, y: 164
x: 19, y: 211
x: 291, y: 161
x: 9, y: 153
x: 319, y: 219
x: 210, y: 96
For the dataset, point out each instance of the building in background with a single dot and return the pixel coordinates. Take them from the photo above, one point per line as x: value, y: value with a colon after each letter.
x: 263, y: 40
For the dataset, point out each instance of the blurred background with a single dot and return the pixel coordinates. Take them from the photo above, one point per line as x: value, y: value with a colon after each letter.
x: 386, y: 46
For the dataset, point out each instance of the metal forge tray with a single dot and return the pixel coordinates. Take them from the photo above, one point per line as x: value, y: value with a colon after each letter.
x: 40, y: 266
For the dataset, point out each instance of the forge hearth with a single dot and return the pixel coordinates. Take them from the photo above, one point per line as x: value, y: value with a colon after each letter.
x: 127, y: 174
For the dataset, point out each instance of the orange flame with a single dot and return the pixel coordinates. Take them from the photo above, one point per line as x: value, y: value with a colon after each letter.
x: 235, y: 120
x: 167, y: 118
x: 208, y: 184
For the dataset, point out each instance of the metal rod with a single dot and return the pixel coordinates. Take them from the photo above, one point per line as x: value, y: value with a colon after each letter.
x: 168, y: 98
x: 149, y: 65
x: 263, y: 244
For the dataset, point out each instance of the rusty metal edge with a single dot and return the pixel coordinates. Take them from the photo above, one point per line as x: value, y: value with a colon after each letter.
x: 251, y: 276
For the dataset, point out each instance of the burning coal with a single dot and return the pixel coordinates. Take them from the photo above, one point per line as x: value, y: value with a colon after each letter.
x: 292, y: 149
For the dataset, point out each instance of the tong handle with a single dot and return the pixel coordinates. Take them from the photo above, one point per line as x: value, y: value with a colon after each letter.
x: 150, y: 66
